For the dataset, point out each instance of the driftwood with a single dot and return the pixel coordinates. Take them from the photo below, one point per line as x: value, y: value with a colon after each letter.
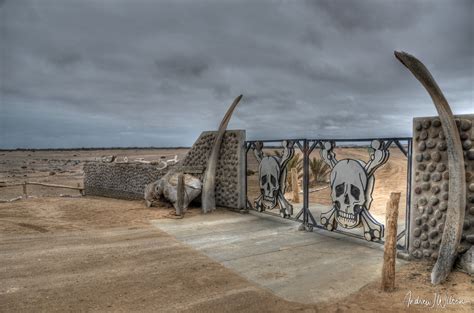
x: 11, y: 200
x: 26, y: 183
x: 390, y: 248
x: 457, y: 181
x: 295, y: 186
x: 55, y: 186
x: 209, y: 180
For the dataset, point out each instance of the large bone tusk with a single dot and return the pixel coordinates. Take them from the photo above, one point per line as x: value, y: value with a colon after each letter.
x: 209, y: 182
x: 457, y: 181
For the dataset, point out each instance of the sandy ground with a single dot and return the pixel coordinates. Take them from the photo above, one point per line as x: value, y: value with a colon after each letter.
x: 95, y: 254
x: 98, y: 254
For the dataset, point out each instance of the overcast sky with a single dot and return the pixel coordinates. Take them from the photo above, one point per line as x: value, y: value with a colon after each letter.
x: 156, y: 73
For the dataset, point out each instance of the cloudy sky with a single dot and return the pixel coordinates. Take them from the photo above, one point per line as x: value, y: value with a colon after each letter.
x: 83, y: 73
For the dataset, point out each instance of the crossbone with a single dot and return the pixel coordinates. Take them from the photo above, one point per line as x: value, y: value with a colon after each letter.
x: 272, y: 175
x: 352, y: 183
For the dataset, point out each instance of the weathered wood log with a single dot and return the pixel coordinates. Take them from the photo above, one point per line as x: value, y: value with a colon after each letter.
x: 457, y: 176
x: 180, y: 191
x: 3, y: 185
x: 55, y: 186
x: 209, y: 180
x: 390, y: 247
x: 11, y: 200
x: 295, y: 186
x: 25, y: 193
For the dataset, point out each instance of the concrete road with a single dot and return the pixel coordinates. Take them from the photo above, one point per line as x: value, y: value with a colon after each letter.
x: 270, y: 251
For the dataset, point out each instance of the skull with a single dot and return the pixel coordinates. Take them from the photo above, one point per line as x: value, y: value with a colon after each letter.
x: 348, y: 183
x: 269, y: 180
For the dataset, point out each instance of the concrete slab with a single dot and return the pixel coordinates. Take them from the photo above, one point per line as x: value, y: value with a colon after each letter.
x: 270, y: 251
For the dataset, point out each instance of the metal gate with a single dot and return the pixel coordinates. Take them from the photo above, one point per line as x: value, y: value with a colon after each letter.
x: 347, y: 187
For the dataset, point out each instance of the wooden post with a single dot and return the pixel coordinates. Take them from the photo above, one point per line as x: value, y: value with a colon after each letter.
x: 390, y: 248
x: 180, y: 195
x: 295, y: 186
x: 25, y: 194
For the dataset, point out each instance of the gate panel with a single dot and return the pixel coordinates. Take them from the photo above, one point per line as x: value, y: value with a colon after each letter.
x: 275, y: 177
x: 345, y: 184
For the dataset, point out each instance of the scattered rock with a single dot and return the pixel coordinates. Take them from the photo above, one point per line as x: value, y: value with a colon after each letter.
x: 465, y: 261
x: 466, y: 124
x: 470, y: 239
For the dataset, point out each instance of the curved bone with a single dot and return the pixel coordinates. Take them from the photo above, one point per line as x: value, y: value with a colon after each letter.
x: 209, y: 181
x: 378, y: 157
x: 328, y: 219
x: 167, y: 186
x: 373, y: 230
x: 327, y: 154
x: 286, y: 209
x: 258, y: 151
x: 288, y: 153
x: 457, y: 181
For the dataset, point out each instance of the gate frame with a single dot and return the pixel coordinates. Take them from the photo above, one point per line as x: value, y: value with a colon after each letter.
x: 307, y: 146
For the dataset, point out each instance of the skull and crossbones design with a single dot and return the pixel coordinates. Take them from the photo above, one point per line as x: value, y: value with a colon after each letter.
x: 272, y: 179
x: 352, y: 183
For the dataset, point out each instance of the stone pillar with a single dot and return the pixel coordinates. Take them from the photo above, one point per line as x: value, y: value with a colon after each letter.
x: 429, y: 190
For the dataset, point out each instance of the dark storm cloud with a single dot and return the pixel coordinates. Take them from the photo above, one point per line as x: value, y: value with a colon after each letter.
x: 370, y: 15
x: 140, y: 73
x: 65, y: 59
x: 180, y: 67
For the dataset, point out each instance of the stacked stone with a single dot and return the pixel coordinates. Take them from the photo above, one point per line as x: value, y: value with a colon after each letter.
x: 119, y: 180
x: 128, y: 180
x: 430, y: 185
x: 230, y: 179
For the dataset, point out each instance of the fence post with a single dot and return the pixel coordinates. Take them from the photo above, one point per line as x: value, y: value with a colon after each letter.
x: 295, y: 186
x: 180, y: 195
x: 408, y: 194
x: 390, y: 248
x: 25, y: 194
x: 305, y: 182
x: 245, y: 208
